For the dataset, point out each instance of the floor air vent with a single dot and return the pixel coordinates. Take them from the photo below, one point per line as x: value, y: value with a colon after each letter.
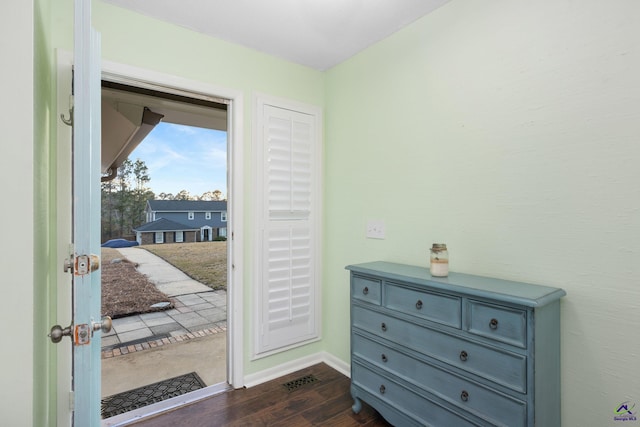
x: 299, y: 382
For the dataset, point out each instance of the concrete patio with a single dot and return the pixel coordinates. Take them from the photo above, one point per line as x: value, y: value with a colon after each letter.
x: 146, y: 348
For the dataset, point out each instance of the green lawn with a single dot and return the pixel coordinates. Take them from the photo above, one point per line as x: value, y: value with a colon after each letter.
x: 205, y: 262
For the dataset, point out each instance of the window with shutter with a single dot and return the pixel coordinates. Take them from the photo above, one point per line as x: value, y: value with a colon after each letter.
x: 288, y: 277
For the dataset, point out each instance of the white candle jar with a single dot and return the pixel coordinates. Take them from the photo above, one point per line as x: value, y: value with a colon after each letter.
x: 439, y: 266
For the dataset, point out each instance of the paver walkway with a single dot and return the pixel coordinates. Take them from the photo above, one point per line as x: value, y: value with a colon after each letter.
x: 165, y: 276
x: 197, y: 308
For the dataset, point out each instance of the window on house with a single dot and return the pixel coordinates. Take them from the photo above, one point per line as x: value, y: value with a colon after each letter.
x: 223, y: 216
x: 191, y: 215
x: 159, y: 237
x: 179, y: 238
x: 207, y: 215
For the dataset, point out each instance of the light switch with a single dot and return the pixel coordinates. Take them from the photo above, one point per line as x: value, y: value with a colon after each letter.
x: 375, y: 229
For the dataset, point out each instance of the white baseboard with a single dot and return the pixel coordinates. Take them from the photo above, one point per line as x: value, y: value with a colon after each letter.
x: 296, y: 365
x: 338, y: 364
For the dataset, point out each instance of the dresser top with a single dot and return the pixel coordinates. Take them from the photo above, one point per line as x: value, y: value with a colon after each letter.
x: 486, y: 287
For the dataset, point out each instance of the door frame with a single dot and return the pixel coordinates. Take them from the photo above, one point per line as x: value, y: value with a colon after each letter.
x: 235, y: 177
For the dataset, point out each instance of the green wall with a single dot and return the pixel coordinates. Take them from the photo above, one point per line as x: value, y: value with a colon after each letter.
x: 17, y: 122
x: 508, y: 130
x: 44, y: 218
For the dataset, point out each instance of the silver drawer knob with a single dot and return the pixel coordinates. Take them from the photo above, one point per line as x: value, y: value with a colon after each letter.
x: 464, y: 356
x: 382, y: 389
x: 365, y: 290
x: 384, y: 358
x: 493, y: 324
x: 419, y: 304
x: 384, y: 327
x: 464, y: 396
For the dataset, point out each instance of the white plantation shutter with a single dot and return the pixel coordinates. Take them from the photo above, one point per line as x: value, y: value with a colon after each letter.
x: 289, y: 280
x: 289, y: 164
x: 288, y: 287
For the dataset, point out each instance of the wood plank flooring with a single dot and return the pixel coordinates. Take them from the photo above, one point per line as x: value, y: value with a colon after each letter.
x: 326, y: 402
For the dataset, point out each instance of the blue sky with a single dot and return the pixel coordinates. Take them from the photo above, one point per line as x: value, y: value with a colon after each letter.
x: 184, y: 158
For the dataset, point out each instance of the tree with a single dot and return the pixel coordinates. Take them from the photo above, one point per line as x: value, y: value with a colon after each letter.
x: 107, y: 198
x: 211, y: 195
x: 124, y: 199
x: 141, y: 174
x: 139, y: 195
x: 183, y: 195
x: 122, y: 194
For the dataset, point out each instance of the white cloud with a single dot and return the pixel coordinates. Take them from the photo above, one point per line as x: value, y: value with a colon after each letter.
x: 184, y: 158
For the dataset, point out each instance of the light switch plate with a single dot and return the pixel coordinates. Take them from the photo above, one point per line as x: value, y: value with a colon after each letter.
x: 375, y: 229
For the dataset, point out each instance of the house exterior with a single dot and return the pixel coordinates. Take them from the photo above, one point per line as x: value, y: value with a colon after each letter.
x: 177, y: 221
x: 513, y: 138
x: 165, y: 231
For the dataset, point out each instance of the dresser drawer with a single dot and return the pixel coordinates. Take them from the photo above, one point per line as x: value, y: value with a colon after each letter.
x: 427, y: 305
x: 366, y: 289
x: 483, y: 401
x: 503, y: 367
x: 499, y: 323
x: 405, y: 400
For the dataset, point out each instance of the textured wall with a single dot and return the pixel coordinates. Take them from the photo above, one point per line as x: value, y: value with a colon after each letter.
x: 17, y: 174
x: 508, y: 130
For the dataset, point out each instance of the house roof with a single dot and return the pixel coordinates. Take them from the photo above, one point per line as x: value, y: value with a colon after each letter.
x: 164, y: 224
x: 187, y: 205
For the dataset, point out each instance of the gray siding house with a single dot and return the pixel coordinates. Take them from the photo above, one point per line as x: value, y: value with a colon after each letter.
x: 177, y: 221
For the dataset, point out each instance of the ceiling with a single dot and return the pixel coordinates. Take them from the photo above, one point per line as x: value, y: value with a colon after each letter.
x: 315, y: 33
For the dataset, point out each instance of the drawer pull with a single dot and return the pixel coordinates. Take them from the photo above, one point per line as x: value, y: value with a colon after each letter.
x: 464, y: 396
x: 382, y: 389
x: 493, y: 324
x: 384, y: 358
x: 419, y: 304
x: 384, y: 327
x: 464, y: 356
x: 365, y: 290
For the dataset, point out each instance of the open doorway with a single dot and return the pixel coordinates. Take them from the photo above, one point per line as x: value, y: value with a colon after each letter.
x: 143, y: 77
x: 177, y: 323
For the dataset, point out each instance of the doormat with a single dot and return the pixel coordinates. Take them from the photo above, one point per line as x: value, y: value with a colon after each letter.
x: 299, y: 382
x: 152, y: 393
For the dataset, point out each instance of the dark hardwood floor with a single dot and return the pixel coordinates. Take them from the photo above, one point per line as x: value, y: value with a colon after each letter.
x: 326, y: 402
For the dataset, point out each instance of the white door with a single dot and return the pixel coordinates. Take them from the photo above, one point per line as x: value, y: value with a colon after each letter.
x: 86, y: 220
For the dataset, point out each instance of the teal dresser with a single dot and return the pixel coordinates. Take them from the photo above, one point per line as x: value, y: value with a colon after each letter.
x: 454, y: 351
